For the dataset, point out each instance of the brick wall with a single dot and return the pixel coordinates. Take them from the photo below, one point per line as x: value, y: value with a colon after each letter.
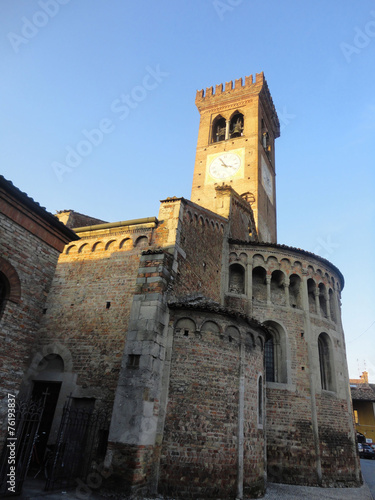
x: 31, y: 240
x: 201, y: 239
x: 200, y: 450
x: 89, y: 305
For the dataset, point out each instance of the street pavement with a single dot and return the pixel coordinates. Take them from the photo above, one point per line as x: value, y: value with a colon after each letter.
x: 33, y: 490
x: 368, y: 473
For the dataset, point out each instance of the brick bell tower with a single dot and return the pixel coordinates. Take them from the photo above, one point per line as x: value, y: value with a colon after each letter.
x: 237, y: 132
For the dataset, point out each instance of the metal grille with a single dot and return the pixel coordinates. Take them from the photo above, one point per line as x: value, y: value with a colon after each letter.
x: 82, y: 438
x: 28, y: 416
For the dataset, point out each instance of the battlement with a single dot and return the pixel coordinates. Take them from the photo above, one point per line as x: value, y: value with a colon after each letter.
x: 239, y: 85
x: 240, y: 88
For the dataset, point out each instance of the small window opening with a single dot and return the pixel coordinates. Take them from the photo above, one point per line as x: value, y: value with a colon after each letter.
x: 230, y: 338
x: 133, y: 360
x: 186, y: 332
x: 44, y: 311
x: 108, y: 305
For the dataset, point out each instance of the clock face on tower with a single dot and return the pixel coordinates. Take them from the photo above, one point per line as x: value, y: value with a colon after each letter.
x: 224, y: 166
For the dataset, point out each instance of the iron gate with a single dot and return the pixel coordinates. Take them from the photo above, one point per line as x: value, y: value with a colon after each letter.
x: 82, y: 439
x: 19, y: 445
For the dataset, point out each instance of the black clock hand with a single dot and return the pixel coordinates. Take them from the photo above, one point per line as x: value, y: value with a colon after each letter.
x: 226, y: 166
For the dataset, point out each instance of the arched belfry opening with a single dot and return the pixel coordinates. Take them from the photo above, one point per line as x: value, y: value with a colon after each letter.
x: 218, y: 129
x: 236, y: 125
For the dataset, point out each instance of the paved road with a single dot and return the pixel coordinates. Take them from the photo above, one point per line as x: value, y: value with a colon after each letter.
x: 368, y: 473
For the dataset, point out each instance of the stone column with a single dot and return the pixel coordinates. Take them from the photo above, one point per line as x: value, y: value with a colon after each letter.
x: 317, y: 303
x: 286, y: 290
x: 268, y: 281
x: 249, y: 288
x: 328, y: 304
x: 227, y: 129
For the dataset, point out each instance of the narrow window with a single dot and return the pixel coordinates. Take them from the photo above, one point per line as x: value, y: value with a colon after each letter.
x: 260, y: 401
x: 325, y: 363
x: 269, y: 353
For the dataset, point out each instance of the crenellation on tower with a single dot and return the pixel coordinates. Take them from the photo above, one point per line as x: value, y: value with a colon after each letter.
x: 239, y: 85
x: 236, y: 144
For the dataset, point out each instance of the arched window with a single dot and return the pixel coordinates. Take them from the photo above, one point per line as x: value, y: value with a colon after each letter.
x: 275, y: 353
x: 218, y: 129
x: 236, y: 279
x: 325, y: 362
x: 4, y: 292
x: 236, y: 125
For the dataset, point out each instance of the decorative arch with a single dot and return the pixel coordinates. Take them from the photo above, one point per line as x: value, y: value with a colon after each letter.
x: 210, y: 326
x: 83, y: 248
x: 48, y: 353
x: 232, y: 333
x: 126, y: 244
x: 141, y: 242
x: 71, y: 249
x: 109, y: 244
x: 10, y: 282
x: 99, y: 245
x: 185, y: 326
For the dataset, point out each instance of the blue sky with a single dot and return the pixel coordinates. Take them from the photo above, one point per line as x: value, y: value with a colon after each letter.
x: 68, y: 66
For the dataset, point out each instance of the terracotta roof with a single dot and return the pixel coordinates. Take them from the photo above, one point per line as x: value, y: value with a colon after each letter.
x: 31, y: 204
x: 363, y: 392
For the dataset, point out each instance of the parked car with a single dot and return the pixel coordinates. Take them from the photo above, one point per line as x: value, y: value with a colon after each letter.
x: 367, y: 452
x: 360, y: 448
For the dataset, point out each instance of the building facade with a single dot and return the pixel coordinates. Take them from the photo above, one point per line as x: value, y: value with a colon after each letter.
x: 218, y: 353
x: 363, y: 397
